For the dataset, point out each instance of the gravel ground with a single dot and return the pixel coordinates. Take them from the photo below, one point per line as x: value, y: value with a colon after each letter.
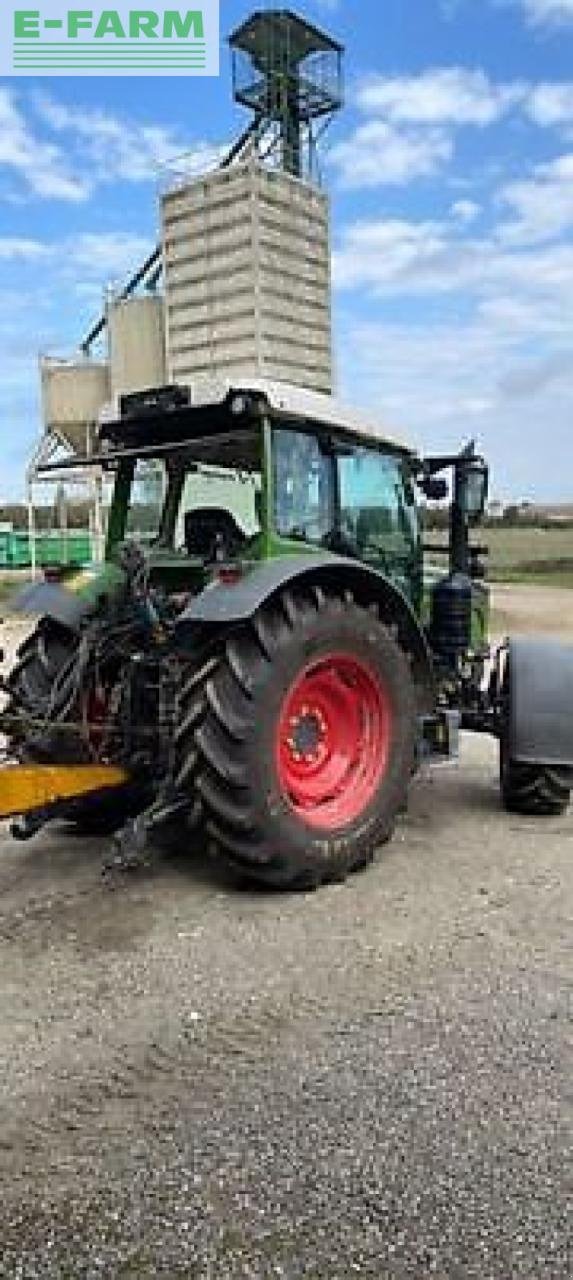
x: 202, y: 1081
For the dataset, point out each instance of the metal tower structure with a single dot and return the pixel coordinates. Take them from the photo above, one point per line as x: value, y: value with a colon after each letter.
x: 289, y: 73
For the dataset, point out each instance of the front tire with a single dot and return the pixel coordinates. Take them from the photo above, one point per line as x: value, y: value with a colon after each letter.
x: 304, y: 743
x: 534, y: 790
x: 530, y: 790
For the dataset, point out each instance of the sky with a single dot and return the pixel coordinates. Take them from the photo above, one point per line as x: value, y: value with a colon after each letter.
x: 451, y: 177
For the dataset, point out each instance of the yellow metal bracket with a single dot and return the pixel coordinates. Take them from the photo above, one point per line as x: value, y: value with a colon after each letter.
x: 25, y: 788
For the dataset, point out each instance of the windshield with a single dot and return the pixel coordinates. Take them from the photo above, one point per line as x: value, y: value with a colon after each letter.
x: 377, y: 504
x: 361, y: 496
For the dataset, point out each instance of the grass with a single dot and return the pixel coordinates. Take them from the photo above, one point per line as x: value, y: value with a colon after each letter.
x: 553, y: 577
x: 542, y: 557
x: 537, y: 556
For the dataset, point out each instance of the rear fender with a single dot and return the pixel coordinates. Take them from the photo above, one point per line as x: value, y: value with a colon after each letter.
x: 78, y: 596
x: 47, y: 600
x: 541, y: 701
x: 225, y: 605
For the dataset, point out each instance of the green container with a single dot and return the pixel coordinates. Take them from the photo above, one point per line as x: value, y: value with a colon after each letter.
x: 19, y: 551
x: 5, y: 550
x: 52, y: 549
x: 59, y: 549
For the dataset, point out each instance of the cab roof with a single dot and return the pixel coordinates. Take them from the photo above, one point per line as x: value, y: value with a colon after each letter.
x: 287, y: 400
x: 172, y: 418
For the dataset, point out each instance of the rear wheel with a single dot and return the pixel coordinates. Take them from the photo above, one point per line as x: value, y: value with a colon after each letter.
x: 529, y: 789
x: 301, y: 741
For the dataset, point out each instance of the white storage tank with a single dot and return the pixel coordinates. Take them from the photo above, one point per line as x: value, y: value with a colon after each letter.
x: 73, y: 394
x: 246, y: 254
x: 136, y: 344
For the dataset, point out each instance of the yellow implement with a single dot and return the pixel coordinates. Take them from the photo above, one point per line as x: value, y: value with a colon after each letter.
x: 25, y: 788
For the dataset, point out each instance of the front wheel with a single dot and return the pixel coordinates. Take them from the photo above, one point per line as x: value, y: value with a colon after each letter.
x: 532, y: 790
x: 304, y: 748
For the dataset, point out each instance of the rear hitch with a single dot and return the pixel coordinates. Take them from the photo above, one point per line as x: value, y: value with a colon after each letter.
x: 131, y: 846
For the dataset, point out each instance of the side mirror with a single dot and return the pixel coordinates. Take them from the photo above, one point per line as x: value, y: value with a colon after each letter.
x: 435, y: 488
x: 473, y: 489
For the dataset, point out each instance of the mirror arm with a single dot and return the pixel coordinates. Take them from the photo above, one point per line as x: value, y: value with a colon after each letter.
x: 435, y: 463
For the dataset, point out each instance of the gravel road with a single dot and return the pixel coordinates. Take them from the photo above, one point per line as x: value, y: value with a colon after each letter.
x: 202, y: 1081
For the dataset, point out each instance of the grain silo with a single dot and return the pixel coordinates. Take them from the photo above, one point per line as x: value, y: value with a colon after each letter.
x: 246, y: 256
x: 136, y: 344
x: 73, y: 394
x: 246, y: 250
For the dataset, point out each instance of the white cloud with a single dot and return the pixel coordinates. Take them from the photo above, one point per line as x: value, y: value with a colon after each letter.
x: 551, y: 106
x: 86, y: 258
x: 532, y: 378
x: 115, y: 147
x: 485, y: 349
x: 41, y: 165
x: 12, y: 247
x: 411, y: 123
x: 54, y: 151
x: 465, y: 211
x: 542, y: 205
x: 383, y: 255
x: 377, y: 154
x: 548, y: 12
x: 450, y: 95
x: 442, y: 384
x: 106, y: 255
x: 397, y: 258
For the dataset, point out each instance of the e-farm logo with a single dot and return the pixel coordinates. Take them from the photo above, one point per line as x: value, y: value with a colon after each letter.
x: 63, y: 41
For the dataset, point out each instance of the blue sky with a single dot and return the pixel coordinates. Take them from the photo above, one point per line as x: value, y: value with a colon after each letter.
x: 451, y: 175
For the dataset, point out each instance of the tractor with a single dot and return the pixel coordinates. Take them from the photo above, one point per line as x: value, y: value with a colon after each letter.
x: 265, y: 670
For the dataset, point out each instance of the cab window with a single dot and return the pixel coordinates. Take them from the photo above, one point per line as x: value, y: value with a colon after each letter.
x: 303, y: 487
x: 377, y: 504
x: 146, y: 500
x: 237, y: 492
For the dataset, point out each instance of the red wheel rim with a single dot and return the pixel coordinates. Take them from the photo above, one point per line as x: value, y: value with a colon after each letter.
x: 333, y: 741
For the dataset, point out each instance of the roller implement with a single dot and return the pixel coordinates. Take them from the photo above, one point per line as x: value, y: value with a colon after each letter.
x: 266, y: 663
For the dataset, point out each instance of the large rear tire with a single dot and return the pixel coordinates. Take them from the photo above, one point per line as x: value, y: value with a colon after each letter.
x: 301, y: 741
x: 531, y: 790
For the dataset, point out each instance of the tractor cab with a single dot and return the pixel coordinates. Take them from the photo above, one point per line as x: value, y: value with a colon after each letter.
x: 242, y: 474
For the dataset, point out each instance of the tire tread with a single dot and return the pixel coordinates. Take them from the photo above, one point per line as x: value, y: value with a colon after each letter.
x: 215, y: 739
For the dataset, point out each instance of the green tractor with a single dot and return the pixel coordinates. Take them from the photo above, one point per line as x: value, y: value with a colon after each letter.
x: 267, y: 672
